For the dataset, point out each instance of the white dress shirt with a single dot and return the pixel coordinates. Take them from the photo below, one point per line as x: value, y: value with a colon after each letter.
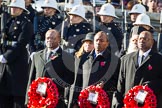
x: 145, y: 54
x: 53, y: 52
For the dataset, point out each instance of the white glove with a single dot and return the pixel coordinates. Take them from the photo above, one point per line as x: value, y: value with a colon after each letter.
x: 2, y: 59
x: 31, y: 56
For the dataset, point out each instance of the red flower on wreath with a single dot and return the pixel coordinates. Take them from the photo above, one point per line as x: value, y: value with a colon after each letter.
x: 102, y: 100
x: 36, y: 100
x: 150, y: 100
x: 54, y: 56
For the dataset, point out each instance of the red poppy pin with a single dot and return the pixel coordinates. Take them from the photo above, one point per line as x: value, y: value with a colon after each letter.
x: 149, y: 67
x: 54, y: 56
x: 102, y: 63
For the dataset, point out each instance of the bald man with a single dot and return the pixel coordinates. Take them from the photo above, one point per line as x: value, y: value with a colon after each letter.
x: 52, y: 63
x: 140, y: 68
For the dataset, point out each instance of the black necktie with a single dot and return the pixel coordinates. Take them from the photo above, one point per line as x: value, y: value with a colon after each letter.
x: 142, y: 58
x: 49, y: 56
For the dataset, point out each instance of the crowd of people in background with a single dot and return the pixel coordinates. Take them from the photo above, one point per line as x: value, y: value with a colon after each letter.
x: 81, y: 47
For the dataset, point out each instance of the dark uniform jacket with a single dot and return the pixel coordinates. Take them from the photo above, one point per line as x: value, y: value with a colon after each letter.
x: 42, y: 24
x: 31, y: 13
x: 45, y: 23
x: 57, y: 69
x: 74, y: 33
x: 129, y: 29
x: 94, y: 70
x: 131, y: 75
x: 14, y: 80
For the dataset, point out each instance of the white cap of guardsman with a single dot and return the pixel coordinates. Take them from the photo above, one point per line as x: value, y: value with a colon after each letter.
x: 143, y: 19
x: 138, y: 8
x: 18, y: 4
x: 78, y: 10
x: 51, y: 4
x: 107, y: 9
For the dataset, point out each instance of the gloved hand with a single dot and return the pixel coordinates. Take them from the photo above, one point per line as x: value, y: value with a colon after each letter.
x: 2, y: 59
x: 32, y: 54
x: 146, y: 83
x: 101, y: 84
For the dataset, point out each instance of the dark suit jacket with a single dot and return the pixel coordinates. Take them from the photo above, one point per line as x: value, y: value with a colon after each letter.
x: 131, y: 75
x: 93, y: 70
x: 57, y: 69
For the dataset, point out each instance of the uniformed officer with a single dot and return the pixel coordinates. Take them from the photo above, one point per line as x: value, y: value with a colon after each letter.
x: 14, y: 57
x: 75, y: 29
x: 89, y: 11
x: 143, y: 22
x: 107, y: 16
x: 50, y: 20
x: 135, y: 11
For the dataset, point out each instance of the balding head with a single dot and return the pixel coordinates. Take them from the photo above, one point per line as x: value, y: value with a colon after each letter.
x: 52, y: 39
x: 100, y: 41
x: 145, y: 41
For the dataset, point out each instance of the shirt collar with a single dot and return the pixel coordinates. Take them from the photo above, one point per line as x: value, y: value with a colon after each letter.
x: 101, y: 53
x: 54, y: 50
x: 145, y: 53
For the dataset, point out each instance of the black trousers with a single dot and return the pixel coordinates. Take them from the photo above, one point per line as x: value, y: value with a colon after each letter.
x: 12, y: 101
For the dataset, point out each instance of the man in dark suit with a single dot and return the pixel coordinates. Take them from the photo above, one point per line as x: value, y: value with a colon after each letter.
x: 135, y: 71
x: 99, y: 68
x: 55, y: 66
x: 14, y: 57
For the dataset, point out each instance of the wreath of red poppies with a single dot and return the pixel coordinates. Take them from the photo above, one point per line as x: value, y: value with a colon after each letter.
x: 102, y: 100
x: 150, y: 100
x: 50, y: 100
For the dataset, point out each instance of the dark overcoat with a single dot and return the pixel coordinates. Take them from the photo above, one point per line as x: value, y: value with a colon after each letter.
x: 131, y: 75
x: 18, y: 33
x: 57, y: 69
x: 92, y: 71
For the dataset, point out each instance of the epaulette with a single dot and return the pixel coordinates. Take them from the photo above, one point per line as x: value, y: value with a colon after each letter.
x: 117, y: 25
x: 86, y: 25
x: 27, y: 19
x: 59, y: 16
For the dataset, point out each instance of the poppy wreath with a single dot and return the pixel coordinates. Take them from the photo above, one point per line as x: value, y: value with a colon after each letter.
x: 36, y: 100
x: 149, y: 102
x: 102, y: 100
